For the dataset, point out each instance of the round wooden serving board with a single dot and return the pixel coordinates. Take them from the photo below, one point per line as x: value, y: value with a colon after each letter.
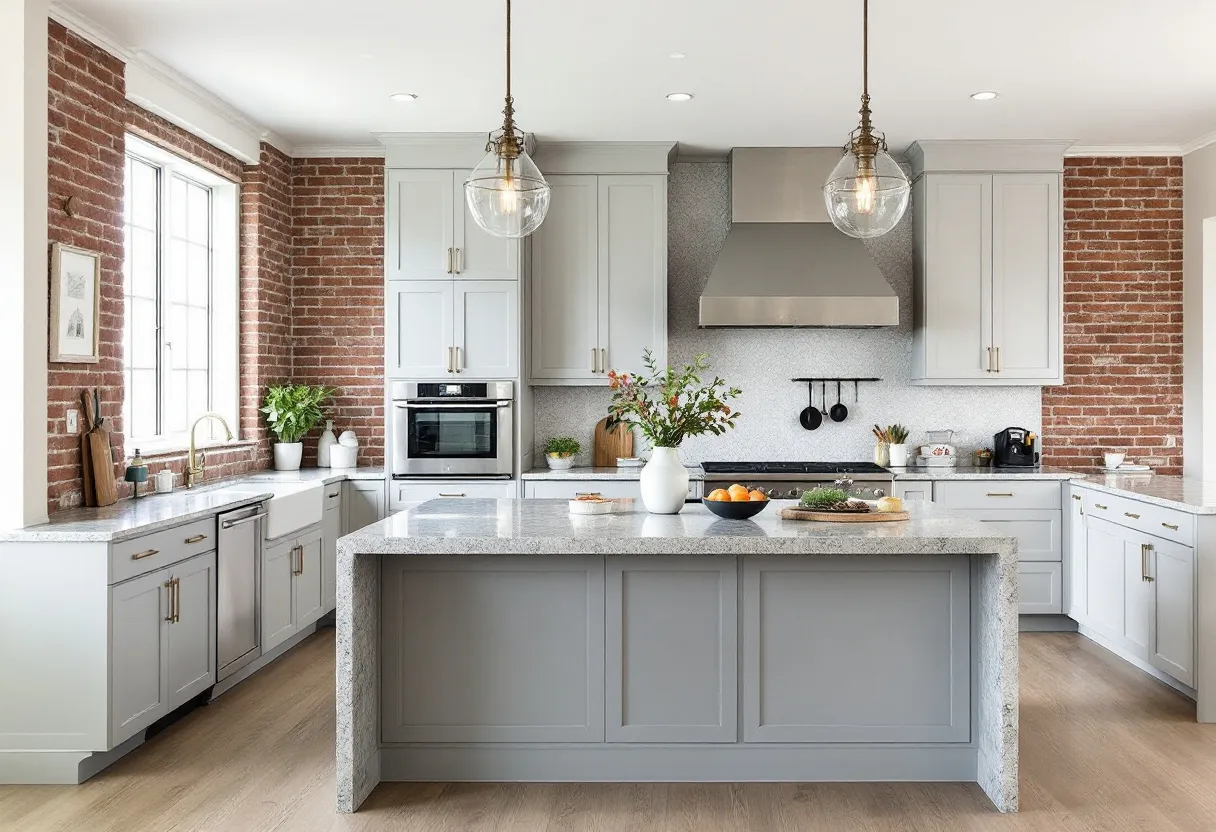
x: 843, y: 516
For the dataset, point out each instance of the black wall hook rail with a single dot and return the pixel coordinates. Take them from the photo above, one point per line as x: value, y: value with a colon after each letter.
x: 830, y: 378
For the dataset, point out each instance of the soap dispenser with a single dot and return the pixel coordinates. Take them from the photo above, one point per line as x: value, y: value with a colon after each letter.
x: 327, y: 441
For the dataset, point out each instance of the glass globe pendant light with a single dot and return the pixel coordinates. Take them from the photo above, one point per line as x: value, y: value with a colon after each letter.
x: 867, y: 192
x: 506, y: 193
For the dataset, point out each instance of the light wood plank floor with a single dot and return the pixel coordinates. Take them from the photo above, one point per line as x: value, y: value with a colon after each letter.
x: 1104, y: 747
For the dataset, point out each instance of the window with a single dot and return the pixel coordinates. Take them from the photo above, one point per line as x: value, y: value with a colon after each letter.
x: 180, y: 287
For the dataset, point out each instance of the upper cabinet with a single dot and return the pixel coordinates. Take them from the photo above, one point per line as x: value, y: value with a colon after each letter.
x: 450, y: 328
x: 599, y: 278
x: 988, y: 262
x: 430, y: 235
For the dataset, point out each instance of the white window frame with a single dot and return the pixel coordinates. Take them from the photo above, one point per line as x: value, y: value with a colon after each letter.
x: 224, y: 335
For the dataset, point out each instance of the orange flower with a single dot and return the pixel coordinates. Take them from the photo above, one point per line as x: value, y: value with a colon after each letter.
x: 612, y: 374
x: 674, y: 401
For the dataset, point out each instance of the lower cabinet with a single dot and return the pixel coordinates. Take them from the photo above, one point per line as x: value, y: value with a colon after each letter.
x: 331, y: 530
x: 406, y: 493
x: 611, y: 489
x: 903, y: 674
x: 362, y: 504
x: 1040, y: 587
x: 162, y: 626
x: 1140, y: 596
x: 291, y: 586
x: 492, y: 649
x: 671, y: 633
x: 1077, y: 601
x: 913, y: 490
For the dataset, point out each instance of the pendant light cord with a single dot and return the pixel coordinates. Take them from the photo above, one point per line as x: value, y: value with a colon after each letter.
x: 509, y: 49
x: 865, y: 46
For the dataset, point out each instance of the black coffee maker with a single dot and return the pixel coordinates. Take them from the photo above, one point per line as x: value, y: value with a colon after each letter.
x: 1014, y: 448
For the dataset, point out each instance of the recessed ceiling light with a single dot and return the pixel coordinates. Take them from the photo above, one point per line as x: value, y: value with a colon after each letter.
x: 984, y: 95
x: 403, y: 96
x: 677, y: 55
x: 679, y: 96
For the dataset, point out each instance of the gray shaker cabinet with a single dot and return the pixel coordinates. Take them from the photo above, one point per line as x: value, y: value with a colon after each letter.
x: 492, y: 649
x: 671, y: 634
x: 903, y: 674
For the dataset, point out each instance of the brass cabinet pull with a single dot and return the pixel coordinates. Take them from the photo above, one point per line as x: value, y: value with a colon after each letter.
x: 998, y: 359
x: 169, y: 586
x: 1000, y: 493
x: 333, y: 496
x: 1076, y: 496
x: 177, y: 600
x: 1133, y: 516
x: 450, y: 267
x: 456, y: 494
x: 301, y: 548
x: 459, y: 359
x: 1099, y: 505
x: 595, y: 360
x: 141, y: 555
x: 459, y: 261
x: 1145, y: 548
x: 603, y: 360
x: 988, y: 369
x: 1170, y: 526
x: 197, y: 538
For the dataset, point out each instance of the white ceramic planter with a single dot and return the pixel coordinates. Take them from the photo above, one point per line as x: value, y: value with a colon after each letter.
x: 560, y: 463
x: 899, y: 455
x: 664, y: 482
x: 287, y: 455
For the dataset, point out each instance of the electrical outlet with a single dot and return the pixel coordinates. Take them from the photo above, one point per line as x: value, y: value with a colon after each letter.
x: 71, y: 419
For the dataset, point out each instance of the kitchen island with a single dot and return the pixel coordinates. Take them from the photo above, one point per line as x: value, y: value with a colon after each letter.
x: 506, y: 640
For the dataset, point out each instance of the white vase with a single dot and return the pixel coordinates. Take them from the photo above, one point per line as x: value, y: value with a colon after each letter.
x: 560, y: 463
x: 899, y: 455
x: 664, y: 481
x: 327, y: 441
x: 287, y: 455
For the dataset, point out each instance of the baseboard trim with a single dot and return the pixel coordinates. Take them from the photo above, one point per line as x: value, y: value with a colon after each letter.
x: 705, y: 763
x: 1046, y: 623
x: 260, y: 662
x: 60, y: 768
x: 1136, y: 661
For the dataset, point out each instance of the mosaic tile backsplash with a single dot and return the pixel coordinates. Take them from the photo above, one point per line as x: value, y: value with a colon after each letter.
x: 762, y: 361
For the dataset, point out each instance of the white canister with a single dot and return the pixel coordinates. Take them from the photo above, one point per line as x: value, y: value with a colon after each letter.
x: 898, y: 455
x: 163, y: 481
x: 343, y: 456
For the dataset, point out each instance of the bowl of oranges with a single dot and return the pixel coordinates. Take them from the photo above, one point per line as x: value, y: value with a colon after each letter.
x: 736, y: 502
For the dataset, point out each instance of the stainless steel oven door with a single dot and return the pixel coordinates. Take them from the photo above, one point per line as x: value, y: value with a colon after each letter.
x: 452, y: 439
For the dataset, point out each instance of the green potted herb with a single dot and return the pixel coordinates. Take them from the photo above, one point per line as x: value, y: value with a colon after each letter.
x: 292, y: 410
x: 560, y: 452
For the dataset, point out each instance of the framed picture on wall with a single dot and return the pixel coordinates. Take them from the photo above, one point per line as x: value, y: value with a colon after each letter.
x: 75, y: 297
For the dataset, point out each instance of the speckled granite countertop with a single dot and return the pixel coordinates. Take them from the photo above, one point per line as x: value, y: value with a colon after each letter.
x: 132, y: 518
x: 610, y: 473
x: 484, y: 526
x: 1182, y: 493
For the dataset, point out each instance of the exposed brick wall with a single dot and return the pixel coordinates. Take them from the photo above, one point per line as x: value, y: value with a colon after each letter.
x: 86, y: 108
x: 88, y: 116
x: 1122, y: 315
x: 266, y: 253
x: 338, y: 293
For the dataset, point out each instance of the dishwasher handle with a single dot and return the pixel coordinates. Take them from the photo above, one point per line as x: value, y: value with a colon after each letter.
x: 228, y: 524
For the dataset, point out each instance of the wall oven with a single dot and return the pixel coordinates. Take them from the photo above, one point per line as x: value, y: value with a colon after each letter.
x: 441, y: 429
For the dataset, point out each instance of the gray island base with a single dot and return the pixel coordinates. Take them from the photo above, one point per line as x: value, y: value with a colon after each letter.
x: 506, y: 640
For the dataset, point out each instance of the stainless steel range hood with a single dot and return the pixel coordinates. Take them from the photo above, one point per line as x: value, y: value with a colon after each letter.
x: 783, y: 262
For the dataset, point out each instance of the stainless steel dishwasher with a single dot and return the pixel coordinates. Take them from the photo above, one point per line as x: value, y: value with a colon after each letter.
x: 239, y: 591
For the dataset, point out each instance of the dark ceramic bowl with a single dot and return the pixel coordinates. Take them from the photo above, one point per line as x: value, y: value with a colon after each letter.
x: 732, y: 510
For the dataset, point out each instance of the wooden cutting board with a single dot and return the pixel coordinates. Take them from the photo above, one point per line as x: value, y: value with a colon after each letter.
x: 86, y: 455
x: 103, y: 464
x: 843, y: 516
x: 608, y: 446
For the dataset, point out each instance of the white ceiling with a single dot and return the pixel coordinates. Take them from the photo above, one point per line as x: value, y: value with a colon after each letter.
x: 764, y: 72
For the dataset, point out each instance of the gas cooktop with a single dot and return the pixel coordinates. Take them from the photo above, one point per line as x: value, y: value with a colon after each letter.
x: 801, y: 469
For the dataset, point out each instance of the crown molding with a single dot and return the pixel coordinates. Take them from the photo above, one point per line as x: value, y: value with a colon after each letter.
x: 1124, y: 150
x: 1199, y: 143
x: 338, y: 151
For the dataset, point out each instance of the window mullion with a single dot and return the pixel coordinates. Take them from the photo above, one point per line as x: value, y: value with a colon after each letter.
x: 164, y: 226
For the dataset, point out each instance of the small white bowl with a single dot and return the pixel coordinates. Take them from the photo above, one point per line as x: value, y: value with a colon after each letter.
x: 559, y: 463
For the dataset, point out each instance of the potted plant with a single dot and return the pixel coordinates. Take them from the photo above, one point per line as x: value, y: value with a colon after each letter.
x: 892, y: 446
x: 560, y: 452
x: 669, y: 406
x: 292, y: 410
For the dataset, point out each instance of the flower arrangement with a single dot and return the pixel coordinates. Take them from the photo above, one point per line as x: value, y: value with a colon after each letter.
x: 670, y: 406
